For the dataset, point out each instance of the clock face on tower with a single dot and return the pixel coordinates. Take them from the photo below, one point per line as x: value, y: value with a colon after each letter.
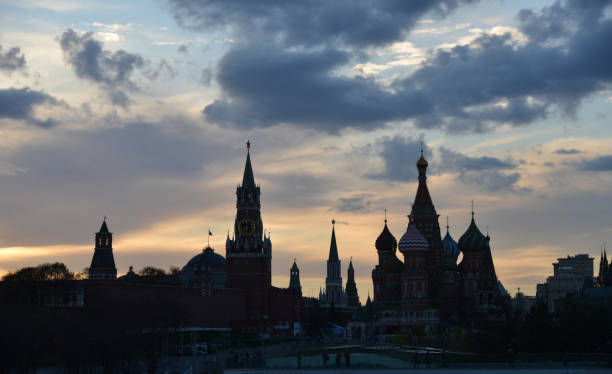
x: 246, y: 227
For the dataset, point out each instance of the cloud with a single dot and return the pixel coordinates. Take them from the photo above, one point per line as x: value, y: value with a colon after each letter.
x: 111, y: 70
x: 490, y: 173
x: 352, y: 23
x: 283, y: 69
x: 354, y: 204
x: 12, y: 60
x: 399, y: 155
x: 149, y: 171
x: 601, y: 163
x: 20, y: 104
x: 563, y: 151
x: 395, y: 152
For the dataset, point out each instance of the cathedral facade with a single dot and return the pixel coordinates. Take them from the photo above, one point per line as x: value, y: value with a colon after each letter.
x: 423, y: 287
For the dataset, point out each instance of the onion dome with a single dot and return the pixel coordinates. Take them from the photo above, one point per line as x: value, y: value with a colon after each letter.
x: 386, y: 242
x: 473, y: 240
x: 413, y: 240
x: 450, y: 248
x: 422, y: 162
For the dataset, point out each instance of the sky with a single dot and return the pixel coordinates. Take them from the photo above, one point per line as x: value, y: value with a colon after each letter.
x: 140, y: 111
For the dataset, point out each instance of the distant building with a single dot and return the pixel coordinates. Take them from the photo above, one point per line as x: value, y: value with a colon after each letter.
x: 568, y: 277
x: 522, y: 304
x: 103, y: 263
x: 333, y: 294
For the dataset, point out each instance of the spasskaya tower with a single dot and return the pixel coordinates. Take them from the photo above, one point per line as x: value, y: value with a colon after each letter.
x: 249, y: 252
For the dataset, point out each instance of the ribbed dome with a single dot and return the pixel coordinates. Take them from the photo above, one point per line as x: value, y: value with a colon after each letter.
x: 450, y: 248
x: 207, y: 257
x: 473, y: 240
x: 386, y: 241
x: 206, y: 261
x: 422, y: 162
x: 413, y: 240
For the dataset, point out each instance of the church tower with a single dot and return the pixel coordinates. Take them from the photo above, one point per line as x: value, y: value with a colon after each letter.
x: 249, y: 253
x: 424, y: 215
x: 333, y: 282
x: 103, y: 263
x: 351, y: 287
x: 294, y: 280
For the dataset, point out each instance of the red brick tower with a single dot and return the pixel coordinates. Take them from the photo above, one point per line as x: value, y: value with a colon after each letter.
x: 249, y: 254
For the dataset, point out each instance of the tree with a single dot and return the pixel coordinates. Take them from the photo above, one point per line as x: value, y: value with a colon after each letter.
x: 42, y: 272
x: 150, y: 271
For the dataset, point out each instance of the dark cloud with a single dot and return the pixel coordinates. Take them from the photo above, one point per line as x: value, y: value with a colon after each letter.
x: 182, y: 49
x: 399, y: 155
x: 354, y: 204
x: 267, y: 86
x: 358, y: 23
x: 601, y: 163
x: 12, y: 60
x: 112, y: 70
x: 492, y: 81
x: 163, y: 69
x: 20, y: 103
x: 563, y: 151
x: 490, y: 173
x: 206, y: 77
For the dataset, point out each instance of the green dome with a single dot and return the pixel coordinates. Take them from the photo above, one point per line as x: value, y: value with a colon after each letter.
x: 473, y: 240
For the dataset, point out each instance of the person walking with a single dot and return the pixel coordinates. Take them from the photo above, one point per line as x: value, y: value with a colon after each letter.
x: 347, y: 358
x: 415, y: 360
x: 325, y: 359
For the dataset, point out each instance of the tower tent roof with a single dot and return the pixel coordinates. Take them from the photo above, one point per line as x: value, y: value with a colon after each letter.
x: 104, y: 228
x: 248, y: 180
x: 294, y: 267
x: 423, y: 204
x: 333, y: 248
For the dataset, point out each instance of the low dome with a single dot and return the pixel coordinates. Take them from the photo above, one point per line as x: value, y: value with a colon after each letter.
x: 386, y: 242
x: 450, y: 248
x: 413, y: 240
x: 203, y: 265
x: 473, y: 240
x: 422, y: 162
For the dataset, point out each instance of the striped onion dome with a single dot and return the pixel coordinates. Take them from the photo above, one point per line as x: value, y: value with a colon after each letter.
x: 450, y: 248
x: 413, y: 240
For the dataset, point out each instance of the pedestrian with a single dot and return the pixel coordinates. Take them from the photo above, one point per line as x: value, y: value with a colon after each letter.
x: 347, y: 358
x: 415, y: 360
x: 444, y: 358
x: 325, y: 358
x: 338, y: 359
x: 427, y: 360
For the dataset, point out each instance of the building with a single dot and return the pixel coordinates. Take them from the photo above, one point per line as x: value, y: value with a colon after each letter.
x: 568, y: 277
x: 428, y: 288
x: 231, y: 292
x: 103, y: 263
x: 333, y: 294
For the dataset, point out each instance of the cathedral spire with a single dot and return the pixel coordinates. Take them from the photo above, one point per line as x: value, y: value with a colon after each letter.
x: 333, y: 248
x: 248, y: 180
x: 422, y: 201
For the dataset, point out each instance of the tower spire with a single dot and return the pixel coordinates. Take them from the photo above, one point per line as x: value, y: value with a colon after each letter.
x: 248, y: 180
x: 333, y: 248
x: 447, y: 227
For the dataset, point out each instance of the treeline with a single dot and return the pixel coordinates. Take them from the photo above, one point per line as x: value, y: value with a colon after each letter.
x: 59, y: 271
